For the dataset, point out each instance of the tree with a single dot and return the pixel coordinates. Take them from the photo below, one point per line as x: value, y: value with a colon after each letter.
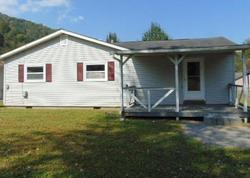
x: 112, y: 38
x: 4, y: 27
x: 238, y: 62
x: 1, y: 40
x: 155, y: 33
x: 238, y: 59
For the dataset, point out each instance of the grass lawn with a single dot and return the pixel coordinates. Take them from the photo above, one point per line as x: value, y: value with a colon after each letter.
x: 85, y: 143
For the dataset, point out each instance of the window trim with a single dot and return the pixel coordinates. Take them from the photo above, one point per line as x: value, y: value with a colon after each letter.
x: 34, y: 65
x: 96, y: 80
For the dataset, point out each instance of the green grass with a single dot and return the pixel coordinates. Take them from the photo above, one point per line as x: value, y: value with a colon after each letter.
x: 85, y: 143
x: 1, y: 103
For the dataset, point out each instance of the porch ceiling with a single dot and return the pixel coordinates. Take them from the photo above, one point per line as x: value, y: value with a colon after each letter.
x: 193, y: 50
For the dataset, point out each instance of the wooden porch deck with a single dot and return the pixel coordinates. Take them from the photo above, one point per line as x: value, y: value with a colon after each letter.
x: 186, y: 111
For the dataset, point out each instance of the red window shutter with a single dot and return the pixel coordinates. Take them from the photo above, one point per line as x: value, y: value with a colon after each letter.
x: 111, y: 71
x: 48, y: 72
x: 79, y: 72
x: 20, y: 73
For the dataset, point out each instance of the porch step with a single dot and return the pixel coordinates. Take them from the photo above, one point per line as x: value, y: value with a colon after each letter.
x: 223, y: 119
x: 194, y: 102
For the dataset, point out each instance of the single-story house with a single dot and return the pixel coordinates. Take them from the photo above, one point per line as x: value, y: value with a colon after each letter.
x: 68, y: 69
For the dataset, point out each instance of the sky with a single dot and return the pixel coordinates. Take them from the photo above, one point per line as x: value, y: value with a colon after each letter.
x: 131, y: 18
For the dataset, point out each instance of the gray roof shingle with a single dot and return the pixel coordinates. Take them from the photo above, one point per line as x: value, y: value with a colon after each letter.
x: 177, y: 44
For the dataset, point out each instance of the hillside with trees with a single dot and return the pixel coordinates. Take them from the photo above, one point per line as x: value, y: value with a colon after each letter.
x: 17, y: 32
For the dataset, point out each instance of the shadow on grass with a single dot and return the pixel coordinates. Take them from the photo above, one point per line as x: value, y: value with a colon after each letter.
x: 110, y: 148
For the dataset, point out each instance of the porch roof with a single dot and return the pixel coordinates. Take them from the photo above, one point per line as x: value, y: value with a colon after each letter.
x: 184, y: 46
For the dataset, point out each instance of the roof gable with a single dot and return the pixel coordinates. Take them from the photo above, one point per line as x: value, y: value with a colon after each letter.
x: 54, y: 35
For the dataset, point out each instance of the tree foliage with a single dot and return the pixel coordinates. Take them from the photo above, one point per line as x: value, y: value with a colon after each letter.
x: 239, y: 64
x: 155, y: 33
x: 17, y: 32
x: 1, y: 40
x: 112, y: 38
x: 238, y: 60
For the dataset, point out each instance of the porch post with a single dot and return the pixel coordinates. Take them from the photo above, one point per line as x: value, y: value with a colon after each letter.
x: 121, y: 64
x: 177, y: 85
x: 245, y: 81
x: 176, y: 61
x: 122, y: 91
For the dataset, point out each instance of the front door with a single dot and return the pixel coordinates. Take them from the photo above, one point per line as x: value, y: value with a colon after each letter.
x: 193, y: 78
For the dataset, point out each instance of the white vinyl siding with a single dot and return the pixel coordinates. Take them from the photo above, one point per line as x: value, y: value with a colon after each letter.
x: 219, y: 72
x: 64, y: 90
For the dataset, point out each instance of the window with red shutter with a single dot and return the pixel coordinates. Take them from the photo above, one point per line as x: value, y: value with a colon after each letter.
x: 79, y: 72
x: 111, y: 71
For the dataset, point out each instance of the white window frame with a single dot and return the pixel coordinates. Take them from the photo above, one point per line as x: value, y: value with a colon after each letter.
x: 34, y: 65
x: 194, y: 95
x: 95, y: 80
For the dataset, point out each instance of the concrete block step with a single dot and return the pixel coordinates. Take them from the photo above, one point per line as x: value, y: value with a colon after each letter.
x: 223, y: 119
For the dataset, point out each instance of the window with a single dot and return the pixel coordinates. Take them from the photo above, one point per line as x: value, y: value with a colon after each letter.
x: 194, y: 81
x: 35, y: 73
x: 95, y: 72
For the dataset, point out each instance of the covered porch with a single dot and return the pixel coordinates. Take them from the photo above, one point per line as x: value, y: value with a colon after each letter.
x: 193, y: 106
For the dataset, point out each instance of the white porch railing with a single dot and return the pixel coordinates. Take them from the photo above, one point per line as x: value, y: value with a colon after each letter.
x: 236, y: 95
x: 148, y: 90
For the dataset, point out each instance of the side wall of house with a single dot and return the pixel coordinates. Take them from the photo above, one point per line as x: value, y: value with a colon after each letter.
x: 219, y: 72
x: 64, y: 90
